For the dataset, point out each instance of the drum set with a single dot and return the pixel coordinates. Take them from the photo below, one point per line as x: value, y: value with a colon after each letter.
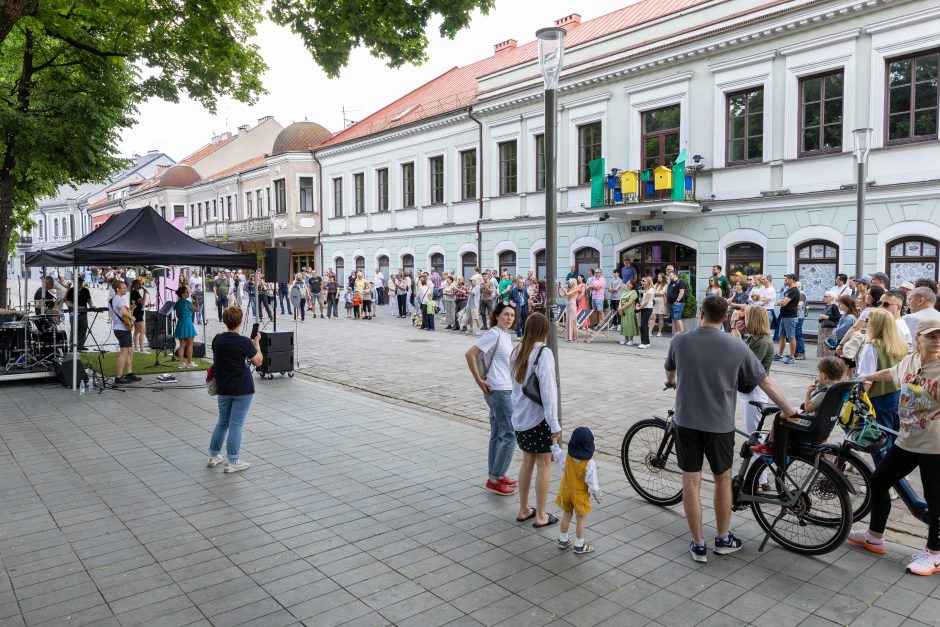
x: 30, y: 344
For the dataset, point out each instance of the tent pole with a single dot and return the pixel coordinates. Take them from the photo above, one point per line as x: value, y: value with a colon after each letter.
x: 74, y: 313
x: 205, y: 297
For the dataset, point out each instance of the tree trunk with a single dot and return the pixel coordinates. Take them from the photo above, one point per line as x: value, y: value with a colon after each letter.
x: 6, y: 227
x: 11, y: 11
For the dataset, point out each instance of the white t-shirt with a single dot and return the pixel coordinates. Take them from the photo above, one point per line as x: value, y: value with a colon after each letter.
x: 904, y: 331
x: 526, y: 413
x: 115, y: 308
x: 771, y: 294
x: 913, y: 319
x: 379, y: 279
x: 499, y: 376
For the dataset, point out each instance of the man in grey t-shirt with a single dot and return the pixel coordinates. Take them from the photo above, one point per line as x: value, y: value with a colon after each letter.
x: 705, y: 366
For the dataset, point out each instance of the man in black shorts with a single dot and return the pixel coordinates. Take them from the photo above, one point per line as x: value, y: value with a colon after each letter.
x: 705, y: 366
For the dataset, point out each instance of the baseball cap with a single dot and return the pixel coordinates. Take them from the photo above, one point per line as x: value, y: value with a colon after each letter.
x: 925, y: 326
x: 865, y: 278
x: 881, y: 276
x: 791, y: 276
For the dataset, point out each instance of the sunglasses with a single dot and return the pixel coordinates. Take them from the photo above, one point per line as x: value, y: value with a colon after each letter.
x: 886, y: 304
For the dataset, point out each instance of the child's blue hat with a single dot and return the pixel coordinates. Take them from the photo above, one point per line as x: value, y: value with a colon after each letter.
x: 581, y: 444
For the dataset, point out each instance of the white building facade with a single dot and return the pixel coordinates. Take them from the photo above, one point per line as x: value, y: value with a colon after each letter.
x: 765, y: 96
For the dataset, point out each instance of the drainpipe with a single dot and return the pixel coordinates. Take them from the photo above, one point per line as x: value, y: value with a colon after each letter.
x: 479, y: 191
x: 320, y: 207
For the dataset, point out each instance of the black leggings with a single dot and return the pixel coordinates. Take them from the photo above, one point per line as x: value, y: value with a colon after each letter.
x: 896, y: 465
x: 401, y: 305
x: 645, y: 315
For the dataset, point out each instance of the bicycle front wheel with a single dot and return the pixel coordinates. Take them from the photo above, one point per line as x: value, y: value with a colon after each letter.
x: 821, y: 517
x: 649, y: 460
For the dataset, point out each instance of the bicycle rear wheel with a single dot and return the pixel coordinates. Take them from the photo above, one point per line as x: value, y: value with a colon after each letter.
x: 820, y: 519
x: 858, y: 473
x: 656, y: 477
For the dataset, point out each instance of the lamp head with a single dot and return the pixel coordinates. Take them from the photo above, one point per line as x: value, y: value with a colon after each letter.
x: 862, y: 140
x: 551, y: 54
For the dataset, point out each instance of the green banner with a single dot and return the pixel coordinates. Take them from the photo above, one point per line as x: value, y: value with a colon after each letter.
x: 678, y: 176
x: 598, y: 181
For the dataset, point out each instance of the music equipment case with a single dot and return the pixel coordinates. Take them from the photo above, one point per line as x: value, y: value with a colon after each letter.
x: 277, y: 351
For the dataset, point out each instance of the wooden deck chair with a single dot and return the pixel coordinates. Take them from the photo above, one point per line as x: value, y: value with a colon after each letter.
x: 603, y: 328
x: 584, y: 316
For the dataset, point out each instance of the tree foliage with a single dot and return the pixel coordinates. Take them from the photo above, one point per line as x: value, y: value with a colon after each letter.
x: 72, y: 72
x: 391, y: 29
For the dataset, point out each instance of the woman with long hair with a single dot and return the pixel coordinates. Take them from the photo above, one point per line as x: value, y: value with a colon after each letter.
x: 849, y: 316
x: 582, y: 294
x: 138, y: 302
x: 713, y: 289
x: 659, y: 303
x: 571, y: 309
x: 645, y: 307
x: 536, y: 424
x: 627, y: 311
x: 883, y: 348
x: 496, y: 384
x: 185, y: 331
x: 758, y: 338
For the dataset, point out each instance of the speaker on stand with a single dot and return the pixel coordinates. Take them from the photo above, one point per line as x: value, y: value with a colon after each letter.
x: 276, y: 270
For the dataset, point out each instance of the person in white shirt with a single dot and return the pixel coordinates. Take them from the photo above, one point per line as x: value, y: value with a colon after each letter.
x: 380, y: 286
x: 923, y: 307
x: 535, y: 423
x: 473, y: 307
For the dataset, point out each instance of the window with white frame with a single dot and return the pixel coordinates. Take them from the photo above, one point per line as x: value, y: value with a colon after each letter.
x: 338, y: 198
x: 359, y: 187
x: 306, y: 194
x: 407, y: 185
x: 381, y: 184
x: 507, y: 167
x: 468, y: 174
x: 745, y: 126
x: 280, y: 196
x: 589, y: 149
x: 436, y: 169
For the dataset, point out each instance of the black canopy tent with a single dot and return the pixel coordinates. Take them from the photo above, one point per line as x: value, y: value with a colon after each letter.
x: 136, y: 237
x: 140, y: 237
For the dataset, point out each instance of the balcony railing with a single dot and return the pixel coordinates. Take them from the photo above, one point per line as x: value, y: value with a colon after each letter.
x: 251, y: 228
x: 626, y: 187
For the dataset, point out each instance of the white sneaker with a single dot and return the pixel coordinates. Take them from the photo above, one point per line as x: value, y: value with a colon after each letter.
x: 237, y: 466
x: 659, y: 335
x: 925, y: 563
x: 214, y: 461
x: 643, y: 346
x: 630, y: 343
x: 190, y: 365
x: 622, y: 342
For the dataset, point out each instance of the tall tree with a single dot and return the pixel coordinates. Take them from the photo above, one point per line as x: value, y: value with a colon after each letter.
x: 73, y: 71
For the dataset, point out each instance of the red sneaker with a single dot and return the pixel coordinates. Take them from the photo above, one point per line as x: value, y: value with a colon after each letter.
x: 766, y: 449
x: 505, y: 480
x: 500, y: 488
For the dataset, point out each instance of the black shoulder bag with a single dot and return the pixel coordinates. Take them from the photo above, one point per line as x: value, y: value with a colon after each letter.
x: 531, y: 387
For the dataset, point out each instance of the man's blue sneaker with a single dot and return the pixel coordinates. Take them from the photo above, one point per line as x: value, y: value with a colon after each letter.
x: 788, y: 360
x: 831, y: 343
x: 778, y: 357
x: 699, y: 552
x: 728, y: 544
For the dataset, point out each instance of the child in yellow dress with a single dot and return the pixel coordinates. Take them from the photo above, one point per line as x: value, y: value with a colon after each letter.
x: 578, y: 484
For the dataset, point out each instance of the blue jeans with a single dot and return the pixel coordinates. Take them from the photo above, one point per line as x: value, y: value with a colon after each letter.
x: 502, y: 435
x: 886, y: 414
x: 520, y: 320
x: 676, y: 310
x: 774, y: 324
x: 800, y: 345
x: 232, y: 412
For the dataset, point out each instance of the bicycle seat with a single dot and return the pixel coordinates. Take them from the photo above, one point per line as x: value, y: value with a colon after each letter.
x: 765, y: 408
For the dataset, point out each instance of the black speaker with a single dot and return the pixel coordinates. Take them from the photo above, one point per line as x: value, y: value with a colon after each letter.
x: 277, y: 265
x: 63, y: 371
x: 279, y: 361
x: 199, y: 350
x: 282, y: 341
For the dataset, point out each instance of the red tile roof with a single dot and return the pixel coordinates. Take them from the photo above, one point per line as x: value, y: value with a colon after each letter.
x: 456, y: 89
x: 244, y: 166
x: 206, y: 150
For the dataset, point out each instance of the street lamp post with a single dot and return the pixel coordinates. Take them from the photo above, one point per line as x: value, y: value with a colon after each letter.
x: 862, y: 137
x: 551, y: 53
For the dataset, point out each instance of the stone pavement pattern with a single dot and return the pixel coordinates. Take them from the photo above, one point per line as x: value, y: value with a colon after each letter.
x: 358, y: 511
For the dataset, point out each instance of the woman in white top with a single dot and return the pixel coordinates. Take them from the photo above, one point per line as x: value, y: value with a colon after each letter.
x: 496, y: 383
x: 536, y: 424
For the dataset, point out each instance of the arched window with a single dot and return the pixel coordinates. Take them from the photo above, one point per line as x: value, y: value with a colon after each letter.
x: 408, y: 263
x: 55, y: 228
x: 746, y: 258
x: 437, y: 262
x: 468, y: 264
x: 507, y: 263
x: 817, y: 263
x: 911, y: 258
x: 361, y: 265
x: 42, y: 234
x: 587, y: 259
x: 540, y: 265
x: 340, y: 268
x: 383, y: 266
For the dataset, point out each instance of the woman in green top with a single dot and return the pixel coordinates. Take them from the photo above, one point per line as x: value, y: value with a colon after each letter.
x: 627, y: 311
x: 505, y: 286
x: 757, y: 330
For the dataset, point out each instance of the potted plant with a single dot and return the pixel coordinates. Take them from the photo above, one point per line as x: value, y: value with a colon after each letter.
x: 690, y: 317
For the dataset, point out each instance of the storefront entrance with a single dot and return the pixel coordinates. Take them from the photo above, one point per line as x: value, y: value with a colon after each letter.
x: 651, y: 258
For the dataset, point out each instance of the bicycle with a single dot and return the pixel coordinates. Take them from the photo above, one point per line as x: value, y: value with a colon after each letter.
x: 807, y: 509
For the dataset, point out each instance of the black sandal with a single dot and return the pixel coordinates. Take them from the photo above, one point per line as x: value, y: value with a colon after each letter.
x: 552, y: 519
x: 529, y: 517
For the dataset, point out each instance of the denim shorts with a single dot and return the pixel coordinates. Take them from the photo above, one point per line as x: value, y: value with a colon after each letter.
x: 788, y: 328
x: 676, y: 309
x: 598, y: 305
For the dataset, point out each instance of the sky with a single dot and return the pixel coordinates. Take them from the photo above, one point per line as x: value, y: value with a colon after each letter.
x: 299, y: 90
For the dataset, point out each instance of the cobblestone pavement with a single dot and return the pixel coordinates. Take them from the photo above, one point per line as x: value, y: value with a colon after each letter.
x: 360, y: 511
x: 604, y: 385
